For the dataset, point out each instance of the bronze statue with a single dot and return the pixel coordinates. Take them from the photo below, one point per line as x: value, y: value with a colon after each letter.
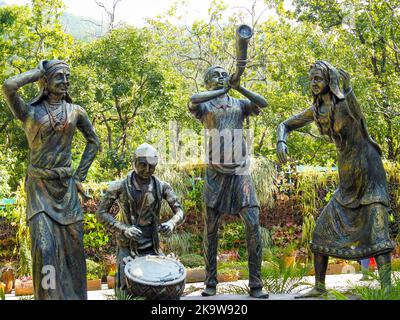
x: 228, y: 185
x: 354, y: 224
x: 139, y: 197
x: 53, y: 209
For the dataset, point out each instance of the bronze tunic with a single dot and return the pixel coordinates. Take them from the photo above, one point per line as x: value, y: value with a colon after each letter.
x: 228, y: 187
x: 50, y: 184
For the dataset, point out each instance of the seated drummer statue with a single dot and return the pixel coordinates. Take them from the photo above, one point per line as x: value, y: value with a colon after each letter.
x: 139, y: 197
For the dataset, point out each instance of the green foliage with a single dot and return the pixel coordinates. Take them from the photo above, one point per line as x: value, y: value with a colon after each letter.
x: 5, y: 174
x: 266, y: 239
x: 95, y: 236
x: 16, y: 216
x: 194, y: 198
x: 82, y: 29
x: 131, y: 93
x: 2, y: 294
x: 396, y: 264
x: 133, y: 80
x: 122, y: 295
x: 179, y: 244
x: 233, y: 237
x: 307, y: 188
x: 375, y: 292
x: 279, y: 278
x: 240, y: 266
x: 370, y: 32
x: 94, y: 270
x: 263, y: 173
x: 338, y: 295
x: 286, y: 236
x: 28, y: 34
x: 192, y: 260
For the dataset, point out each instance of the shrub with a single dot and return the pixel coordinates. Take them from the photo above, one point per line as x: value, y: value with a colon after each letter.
x: 94, y: 270
x: 228, y: 275
x: 233, y: 237
x: 396, y: 264
x: 179, y: 244
x: 373, y: 292
x: 192, y: 260
x: 96, y: 236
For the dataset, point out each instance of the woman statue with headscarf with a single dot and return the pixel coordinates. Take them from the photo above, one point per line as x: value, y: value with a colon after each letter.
x: 54, y: 213
x: 354, y: 224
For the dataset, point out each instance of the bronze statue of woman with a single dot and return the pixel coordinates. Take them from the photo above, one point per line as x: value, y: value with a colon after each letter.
x: 54, y: 213
x: 354, y: 224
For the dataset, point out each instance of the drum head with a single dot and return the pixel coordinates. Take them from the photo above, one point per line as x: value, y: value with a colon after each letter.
x: 155, y: 270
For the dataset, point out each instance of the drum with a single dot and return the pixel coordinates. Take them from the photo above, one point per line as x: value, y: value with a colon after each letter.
x: 155, y: 277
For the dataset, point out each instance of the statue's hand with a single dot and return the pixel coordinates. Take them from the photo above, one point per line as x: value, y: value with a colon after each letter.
x: 133, y: 233
x: 127, y: 259
x: 167, y: 228
x: 282, y: 152
x: 79, y: 187
x: 345, y: 78
x: 41, y: 66
x: 233, y: 82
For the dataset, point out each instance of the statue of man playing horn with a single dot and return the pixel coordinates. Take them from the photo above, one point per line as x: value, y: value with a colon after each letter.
x: 228, y: 185
x: 139, y: 197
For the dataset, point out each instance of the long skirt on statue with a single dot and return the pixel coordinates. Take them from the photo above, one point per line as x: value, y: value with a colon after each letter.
x: 352, y: 233
x: 58, y: 259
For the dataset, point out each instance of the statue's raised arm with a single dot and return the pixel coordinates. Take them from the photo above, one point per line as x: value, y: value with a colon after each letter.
x: 18, y: 107
x: 54, y: 212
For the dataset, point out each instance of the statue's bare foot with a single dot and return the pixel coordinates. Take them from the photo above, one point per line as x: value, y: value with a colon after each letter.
x: 313, y: 293
x: 259, y: 293
x: 209, y: 291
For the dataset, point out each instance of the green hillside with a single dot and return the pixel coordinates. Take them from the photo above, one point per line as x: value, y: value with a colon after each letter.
x: 82, y: 28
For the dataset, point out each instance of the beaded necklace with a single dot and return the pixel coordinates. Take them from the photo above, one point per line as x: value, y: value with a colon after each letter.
x: 57, y: 122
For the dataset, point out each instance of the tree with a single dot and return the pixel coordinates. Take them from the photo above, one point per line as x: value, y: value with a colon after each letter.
x: 28, y: 34
x: 372, y: 30
x: 131, y: 93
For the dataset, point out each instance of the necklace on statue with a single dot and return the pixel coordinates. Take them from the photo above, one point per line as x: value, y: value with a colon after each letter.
x: 57, y: 121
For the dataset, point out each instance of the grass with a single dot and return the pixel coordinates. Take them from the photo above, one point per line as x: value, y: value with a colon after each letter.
x: 276, y: 277
x: 264, y: 175
x: 234, y: 289
x: 279, y: 279
x: 122, y: 295
x: 179, y: 244
x: 372, y: 291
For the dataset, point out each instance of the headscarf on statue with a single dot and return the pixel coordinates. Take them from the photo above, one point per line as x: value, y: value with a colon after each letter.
x: 353, y: 107
x: 50, y: 67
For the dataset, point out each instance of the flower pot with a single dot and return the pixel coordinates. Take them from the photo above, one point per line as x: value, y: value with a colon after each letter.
x: 94, y: 284
x: 228, y: 256
x: 110, y: 282
x: 195, y: 275
x: 342, y: 268
x: 8, y: 278
x: 23, y: 288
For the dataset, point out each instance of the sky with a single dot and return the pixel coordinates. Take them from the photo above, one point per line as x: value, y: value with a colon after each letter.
x: 135, y: 12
